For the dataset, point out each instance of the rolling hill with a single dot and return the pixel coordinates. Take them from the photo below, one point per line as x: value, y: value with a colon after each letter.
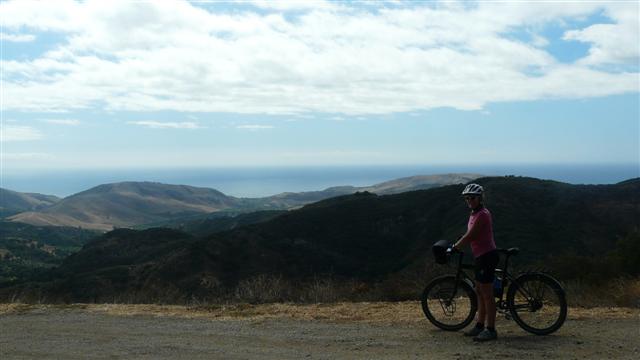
x: 145, y: 204
x: 362, y: 236
x: 13, y: 202
x: 127, y: 204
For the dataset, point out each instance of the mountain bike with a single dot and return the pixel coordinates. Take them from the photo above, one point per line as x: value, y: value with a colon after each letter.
x: 535, y: 300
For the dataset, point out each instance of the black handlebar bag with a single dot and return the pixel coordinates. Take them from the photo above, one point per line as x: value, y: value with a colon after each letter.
x: 440, y: 251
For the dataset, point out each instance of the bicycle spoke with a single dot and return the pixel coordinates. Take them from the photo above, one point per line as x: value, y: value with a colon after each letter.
x: 446, y: 298
x: 537, y: 303
x: 447, y: 305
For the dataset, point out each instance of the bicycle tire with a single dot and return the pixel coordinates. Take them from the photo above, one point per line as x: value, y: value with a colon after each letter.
x: 450, y: 315
x: 528, y: 301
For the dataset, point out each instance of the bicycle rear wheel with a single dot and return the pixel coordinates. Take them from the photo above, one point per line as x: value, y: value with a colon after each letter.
x: 537, y: 303
x: 448, y: 306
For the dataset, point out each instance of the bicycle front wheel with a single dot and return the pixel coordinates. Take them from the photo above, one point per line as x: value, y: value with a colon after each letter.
x: 537, y: 303
x: 448, y: 305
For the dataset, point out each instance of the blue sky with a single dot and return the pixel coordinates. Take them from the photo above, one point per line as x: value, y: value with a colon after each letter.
x: 208, y: 84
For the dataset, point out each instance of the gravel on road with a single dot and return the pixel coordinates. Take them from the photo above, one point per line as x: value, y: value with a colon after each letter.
x: 286, y: 331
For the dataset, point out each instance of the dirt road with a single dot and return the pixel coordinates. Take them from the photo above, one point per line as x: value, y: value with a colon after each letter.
x: 334, y: 331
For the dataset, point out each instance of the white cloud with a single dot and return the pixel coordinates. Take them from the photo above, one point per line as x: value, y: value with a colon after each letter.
x: 612, y: 43
x: 539, y: 41
x: 254, y: 127
x: 172, y: 55
x: 289, y: 5
x: 166, y: 125
x: 67, y: 122
x: 19, y: 133
x: 17, y: 37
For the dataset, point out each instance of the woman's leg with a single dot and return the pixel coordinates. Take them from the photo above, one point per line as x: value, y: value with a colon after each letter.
x: 482, y: 311
x: 486, y: 291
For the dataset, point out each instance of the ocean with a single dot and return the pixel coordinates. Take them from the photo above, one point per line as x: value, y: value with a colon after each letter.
x: 265, y: 181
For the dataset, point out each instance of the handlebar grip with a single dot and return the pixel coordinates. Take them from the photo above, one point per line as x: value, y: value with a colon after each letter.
x: 452, y: 250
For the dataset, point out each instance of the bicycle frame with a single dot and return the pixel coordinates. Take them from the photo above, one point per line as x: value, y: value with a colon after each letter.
x: 502, y: 273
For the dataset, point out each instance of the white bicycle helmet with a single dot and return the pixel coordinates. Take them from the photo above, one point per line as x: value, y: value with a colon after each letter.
x: 473, y: 189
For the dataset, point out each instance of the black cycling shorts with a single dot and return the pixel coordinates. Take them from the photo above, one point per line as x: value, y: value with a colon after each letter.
x: 485, y: 267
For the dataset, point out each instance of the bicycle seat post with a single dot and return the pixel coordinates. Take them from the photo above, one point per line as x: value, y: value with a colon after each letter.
x: 508, y: 253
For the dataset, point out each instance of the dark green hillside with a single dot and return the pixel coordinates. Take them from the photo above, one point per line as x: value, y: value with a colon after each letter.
x: 551, y: 218
x: 124, y: 247
x: 362, y: 236
x: 121, y: 261
x: 202, y: 225
x: 27, y: 249
x: 368, y: 236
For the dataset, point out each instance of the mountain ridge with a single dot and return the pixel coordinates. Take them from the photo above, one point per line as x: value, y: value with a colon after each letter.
x: 128, y: 204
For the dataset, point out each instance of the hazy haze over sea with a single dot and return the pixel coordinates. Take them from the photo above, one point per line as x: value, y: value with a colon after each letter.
x: 265, y: 181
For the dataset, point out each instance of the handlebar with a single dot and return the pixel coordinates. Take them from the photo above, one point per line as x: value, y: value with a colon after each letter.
x: 452, y: 250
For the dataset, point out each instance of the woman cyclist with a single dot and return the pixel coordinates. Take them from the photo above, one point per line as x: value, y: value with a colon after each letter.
x: 480, y: 236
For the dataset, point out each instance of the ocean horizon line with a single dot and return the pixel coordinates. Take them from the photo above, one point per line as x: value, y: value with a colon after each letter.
x: 270, y: 180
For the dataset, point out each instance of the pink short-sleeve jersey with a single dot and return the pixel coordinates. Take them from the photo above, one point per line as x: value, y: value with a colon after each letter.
x: 482, y: 242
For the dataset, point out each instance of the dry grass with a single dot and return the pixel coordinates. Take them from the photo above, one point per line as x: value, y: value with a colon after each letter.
x: 617, y: 292
x: 269, y: 292
x: 405, y: 312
